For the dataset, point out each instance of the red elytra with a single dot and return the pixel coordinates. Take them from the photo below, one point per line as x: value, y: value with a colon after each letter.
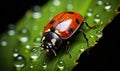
x: 65, y: 24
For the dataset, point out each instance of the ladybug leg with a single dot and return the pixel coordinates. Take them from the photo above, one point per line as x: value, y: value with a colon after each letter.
x: 90, y: 27
x: 84, y: 36
x: 54, y: 52
x: 68, y: 49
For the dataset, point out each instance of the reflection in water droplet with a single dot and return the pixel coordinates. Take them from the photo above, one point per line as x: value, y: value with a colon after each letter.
x: 15, y: 53
x: 99, y: 2
x: 24, y: 35
x: 19, y: 62
x: 11, y: 32
x: 4, y: 43
x: 61, y: 65
x: 56, y: 2
x: 89, y: 13
x: 97, y: 18
x: 35, y: 53
x: 44, y: 65
x: 99, y: 33
x: 107, y: 6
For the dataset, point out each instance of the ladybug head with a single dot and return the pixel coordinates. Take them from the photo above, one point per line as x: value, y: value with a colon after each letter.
x: 51, y: 42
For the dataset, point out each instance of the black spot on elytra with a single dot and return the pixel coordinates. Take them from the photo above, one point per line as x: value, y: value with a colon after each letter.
x: 77, y: 21
x: 52, y: 29
x: 70, y: 30
x: 70, y: 12
x: 52, y: 21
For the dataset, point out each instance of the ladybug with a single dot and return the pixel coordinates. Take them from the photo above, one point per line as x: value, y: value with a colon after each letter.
x: 60, y: 30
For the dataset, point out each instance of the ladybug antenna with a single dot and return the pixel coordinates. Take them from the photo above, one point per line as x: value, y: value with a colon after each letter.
x: 54, y: 52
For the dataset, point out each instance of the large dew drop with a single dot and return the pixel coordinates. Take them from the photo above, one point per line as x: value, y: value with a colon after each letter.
x: 24, y: 35
x: 44, y: 65
x: 107, y: 6
x: 61, y: 65
x: 97, y: 18
x: 3, y: 43
x: 19, y: 62
x: 35, y: 53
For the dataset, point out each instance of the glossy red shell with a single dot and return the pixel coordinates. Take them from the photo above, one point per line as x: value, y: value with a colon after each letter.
x: 66, y: 23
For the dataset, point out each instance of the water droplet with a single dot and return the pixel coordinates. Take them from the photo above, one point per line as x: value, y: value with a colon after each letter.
x: 36, y: 8
x: 56, y: 2
x: 31, y: 66
x: 99, y: 2
x: 97, y: 18
x: 82, y: 48
x: 19, y: 62
x: 36, y: 15
x: 36, y: 12
x: 107, y: 6
x: 24, y: 39
x: 91, y: 36
x: 89, y: 13
x: 69, y: 5
x: 4, y: 43
x: 44, y: 65
x: 24, y: 35
x: 35, y: 53
x: 99, y: 33
x: 15, y: 53
x: 37, y: 40
x: 61, y: 65
x: 11, y: 26
x: 11, y: 32
x: 101, y: 22
x: 27, y: 46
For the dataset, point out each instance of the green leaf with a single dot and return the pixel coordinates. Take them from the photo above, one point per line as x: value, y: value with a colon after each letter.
x: 17, y: 45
